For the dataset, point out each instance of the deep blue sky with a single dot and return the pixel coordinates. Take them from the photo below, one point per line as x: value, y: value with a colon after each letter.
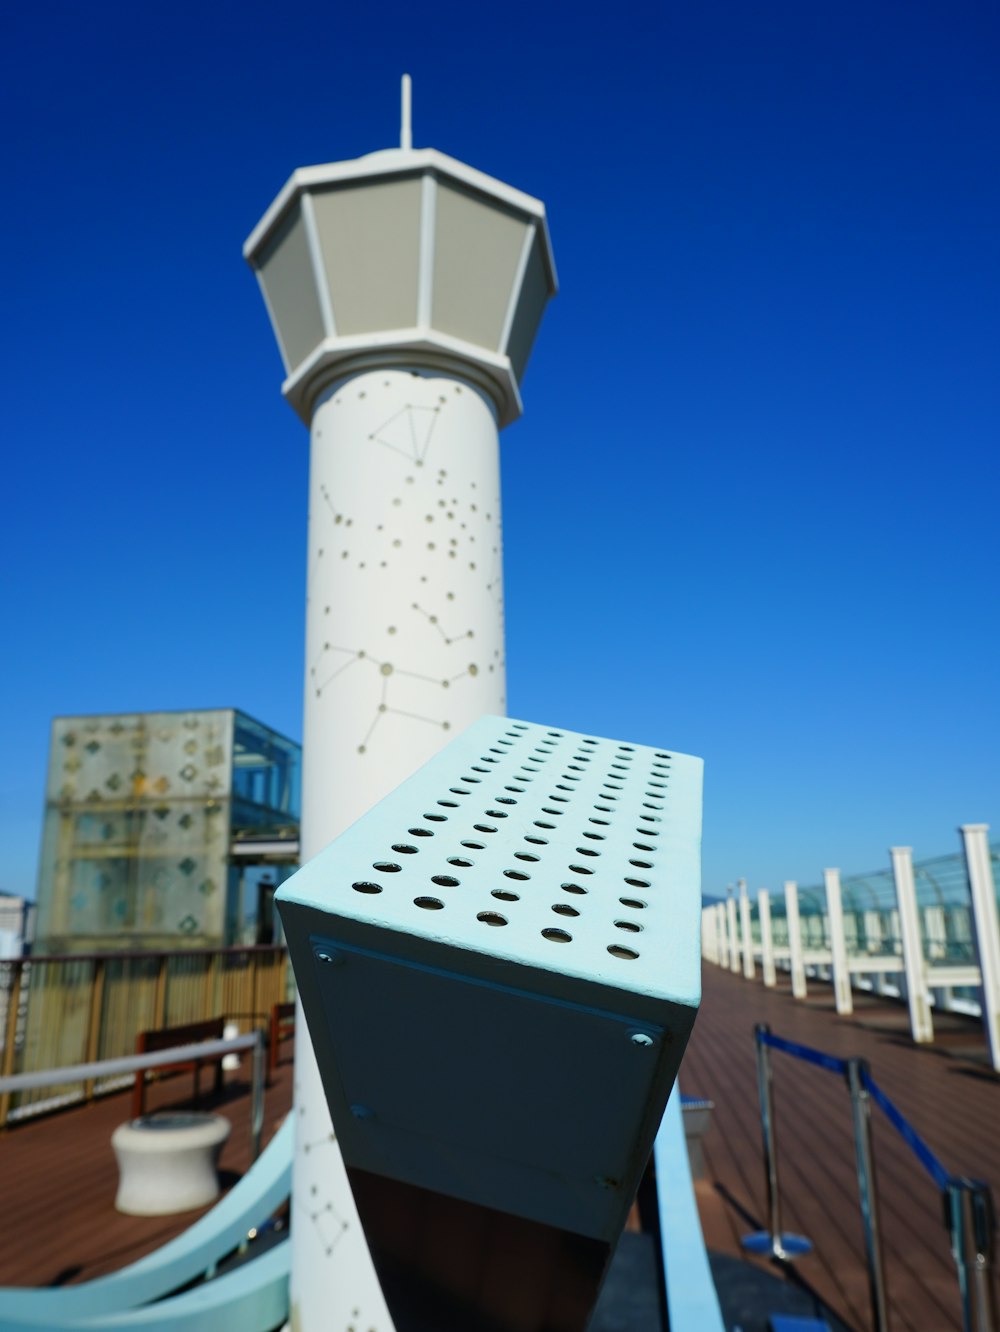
x: 750, y: 512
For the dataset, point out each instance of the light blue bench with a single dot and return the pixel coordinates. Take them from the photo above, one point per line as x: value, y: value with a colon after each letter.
x: 252, y: 1298
x: 691, y: 1297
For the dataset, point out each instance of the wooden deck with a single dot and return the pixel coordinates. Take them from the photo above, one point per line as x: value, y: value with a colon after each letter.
x: 945, y: 1091
x: 59, y: 1174
x: 60, y: 1177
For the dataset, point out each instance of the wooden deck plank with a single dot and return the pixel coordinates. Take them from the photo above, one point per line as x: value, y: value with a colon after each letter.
x: 60, y: 1178
x: 952, y: 1101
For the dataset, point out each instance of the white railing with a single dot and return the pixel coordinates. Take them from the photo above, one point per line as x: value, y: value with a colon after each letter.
x: 853, y: 949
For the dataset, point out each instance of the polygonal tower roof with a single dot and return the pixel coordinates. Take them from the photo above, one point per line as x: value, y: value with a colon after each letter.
x: 403, y: 257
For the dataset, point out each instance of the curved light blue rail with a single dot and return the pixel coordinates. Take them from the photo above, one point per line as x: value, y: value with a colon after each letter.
x: 99, y: 1302
x: 691, y: 1297
x: 253, y: 1298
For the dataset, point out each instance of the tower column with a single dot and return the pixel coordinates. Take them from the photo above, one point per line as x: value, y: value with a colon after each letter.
x: 404, y: 647
x: 404, y: 620
x: 404, y: 290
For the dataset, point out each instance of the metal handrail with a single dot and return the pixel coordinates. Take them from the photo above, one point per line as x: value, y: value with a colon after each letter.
x: 143, y: 954
x: 75, y: 1008
x: 178, y: 1054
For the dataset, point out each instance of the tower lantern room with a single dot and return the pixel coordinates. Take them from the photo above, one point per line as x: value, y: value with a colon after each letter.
x: 403, y: 256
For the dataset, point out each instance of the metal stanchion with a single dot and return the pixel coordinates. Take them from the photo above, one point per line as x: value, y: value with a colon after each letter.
x: 972, y: 1223
x: 257, y: 1095
x: 857, y: 1070
x: 257, y: 1070
x: 782, y: 1246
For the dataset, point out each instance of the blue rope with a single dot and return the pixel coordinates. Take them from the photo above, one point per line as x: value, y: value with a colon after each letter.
x: 941, y: 1177
x: 806, y: 1052
x: 908, y: 1133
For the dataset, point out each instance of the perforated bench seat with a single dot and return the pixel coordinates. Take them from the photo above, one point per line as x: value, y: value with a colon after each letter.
x: 500, y: 966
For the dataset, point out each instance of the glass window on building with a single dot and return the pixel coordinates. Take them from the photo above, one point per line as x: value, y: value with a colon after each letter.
x: 158, y: 826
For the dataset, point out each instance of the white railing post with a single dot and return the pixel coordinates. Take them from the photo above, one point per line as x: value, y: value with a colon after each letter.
x: 851, y: 930
x: 976, y: 846
x: 896, y: 932
x: 934, y: 932
x: 874, y: 935
x: 838, y: 944
x: 766, y: 941
x: 873, y: 931
x: 746, y: 933
x: 921, y: 1023
x: 734, y: 947
x: 797, y: 963
x: 708, y: 939
x: 721, y: 934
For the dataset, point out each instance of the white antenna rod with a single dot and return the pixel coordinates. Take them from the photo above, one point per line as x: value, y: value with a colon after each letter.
x: 406, y: 129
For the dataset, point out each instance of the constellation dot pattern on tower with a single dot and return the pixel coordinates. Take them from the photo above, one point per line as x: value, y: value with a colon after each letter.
x: 459, y: 536
x: 386, y: 670
x: 545, y: 848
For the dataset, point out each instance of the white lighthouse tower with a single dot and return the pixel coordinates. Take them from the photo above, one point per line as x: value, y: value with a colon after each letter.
x: 405, y: 290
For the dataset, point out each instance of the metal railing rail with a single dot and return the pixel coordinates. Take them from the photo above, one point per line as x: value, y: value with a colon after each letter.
x: 178, y: 1054
x: 70, y: 1009
x: 968, y: 1203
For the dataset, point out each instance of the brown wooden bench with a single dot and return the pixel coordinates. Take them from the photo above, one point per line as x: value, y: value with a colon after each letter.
x: 282, y: 1026
x: 164, y: 1038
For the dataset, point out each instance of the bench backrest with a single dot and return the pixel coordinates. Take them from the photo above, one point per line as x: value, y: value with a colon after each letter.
x: 164, y: 1038
x: 282, y: 1025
